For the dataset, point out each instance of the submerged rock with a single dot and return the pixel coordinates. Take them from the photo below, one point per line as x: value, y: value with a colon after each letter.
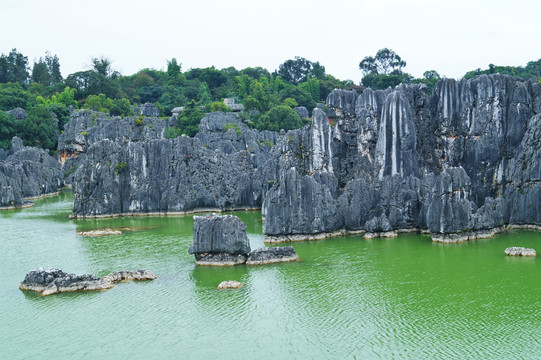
x: 219, y: 240
x: 103, y: 232
x: 126, y: 275
x: 231, y: 284
x: 272, y: 255
x: 519, y: 251
x: 52, y: 281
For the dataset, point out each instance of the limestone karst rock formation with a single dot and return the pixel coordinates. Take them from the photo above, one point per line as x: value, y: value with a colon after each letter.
x: 463, y: 161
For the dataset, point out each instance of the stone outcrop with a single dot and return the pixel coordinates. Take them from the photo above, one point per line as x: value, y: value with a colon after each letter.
x: 18, y: 113
x: 217, y: 170
x: 462, y: 162
x: 150, y: 109
x: 272, y: 255
x: 519, y: 251
x: 27, y: 173
x: 302, y: 112
x: 53, y: 281
x: 298, y: 204
x: 219, y: 240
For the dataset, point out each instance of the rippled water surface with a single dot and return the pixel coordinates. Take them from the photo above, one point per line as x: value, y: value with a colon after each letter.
x: 348, y: 298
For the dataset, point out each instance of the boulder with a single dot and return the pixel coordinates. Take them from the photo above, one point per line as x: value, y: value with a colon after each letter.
x: 272, y: 255
x: 18, y: 113
x: 519, y: 251
x: 219, y: 240
x: 302, y: 112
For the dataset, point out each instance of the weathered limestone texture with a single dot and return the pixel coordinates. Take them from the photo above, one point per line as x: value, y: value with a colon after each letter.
x: 519, y: 251
x: 463, y: 162
x: 219, y: 240
x: 27, y: 172
x: 53, y: 281
x: 272, y: 255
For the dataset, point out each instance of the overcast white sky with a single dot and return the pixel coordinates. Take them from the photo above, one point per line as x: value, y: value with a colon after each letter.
x: 451, y: 37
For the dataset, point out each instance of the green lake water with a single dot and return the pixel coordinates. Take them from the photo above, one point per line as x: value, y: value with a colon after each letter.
x: 348, y: 298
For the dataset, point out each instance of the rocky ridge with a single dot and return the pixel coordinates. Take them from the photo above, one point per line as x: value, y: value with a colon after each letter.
x: 462, y: 162
x: 26, y: 173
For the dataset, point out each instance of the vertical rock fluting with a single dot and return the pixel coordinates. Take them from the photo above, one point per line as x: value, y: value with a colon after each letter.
x: 450, y: 209
x: 320, y: 145
x: 481, y: 123
x: 523, y: 179
x: 27, y: 172
x: 299, y: 205
x: 395, y: 148
x: 461, y: 160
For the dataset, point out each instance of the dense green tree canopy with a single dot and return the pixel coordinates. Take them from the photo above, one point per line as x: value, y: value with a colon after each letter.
x: 8, y: 129
x: 189, y: 119
x: 300, y: 69
x: 14, y: 68
x: 279, y: 117
x: 39, y: 129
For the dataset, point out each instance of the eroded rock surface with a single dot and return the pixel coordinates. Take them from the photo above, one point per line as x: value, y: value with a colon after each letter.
x: 272, y: 255
x: 462, y: 162
x: 219, y: 240
x: 519, y: 251
x: 53, y: 281
x: 27, y: 172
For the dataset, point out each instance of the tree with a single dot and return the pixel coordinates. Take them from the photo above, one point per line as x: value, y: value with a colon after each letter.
x: 430, y: 78
x: 203, y: 95
x: 14, y: 68
x: 12, y: 95
x: 383, y: 70
x: 53, y: 65
x: 91, y: 82
x: 8, y: 129
x: 279, y: 117
x: 219, y: 106
x: 189, y: 119
x: 385, y: 62
x: 103, y: 67
x: 39, y: 128
x: 40, y: 73
x: 300, y: 69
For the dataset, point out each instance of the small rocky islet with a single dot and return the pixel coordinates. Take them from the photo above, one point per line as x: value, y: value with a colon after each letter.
x: 53, y: 281
x: 221, y: 240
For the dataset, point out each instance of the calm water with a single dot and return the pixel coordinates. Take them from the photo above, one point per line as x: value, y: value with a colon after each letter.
x: 348, y: 297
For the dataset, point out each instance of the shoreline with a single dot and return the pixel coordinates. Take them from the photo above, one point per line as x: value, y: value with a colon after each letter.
x: 161, y: 213
x: 436, y: 238
x: 29, y: 202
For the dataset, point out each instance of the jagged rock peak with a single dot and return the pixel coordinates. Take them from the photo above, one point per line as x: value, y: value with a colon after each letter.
x: 342, y: 99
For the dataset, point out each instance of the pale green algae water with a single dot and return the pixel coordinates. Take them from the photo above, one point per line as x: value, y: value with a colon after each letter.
x: 348, y: 298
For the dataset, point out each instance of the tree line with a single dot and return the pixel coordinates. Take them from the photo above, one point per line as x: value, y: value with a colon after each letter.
x: 268, y: 97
